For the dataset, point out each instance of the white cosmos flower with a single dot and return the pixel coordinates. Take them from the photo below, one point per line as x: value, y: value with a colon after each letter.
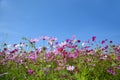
x: 70, y: 68
x: 119, y: 46
x: 62, y: 43
x: 16, y: 46
x: 21, y: 45
x: 50, y: 42
x: 74, y: 41
x: 8, y: 46
x: 83, y: 44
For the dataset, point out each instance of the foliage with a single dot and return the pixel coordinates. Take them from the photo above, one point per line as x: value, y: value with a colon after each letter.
x: 68, y: 60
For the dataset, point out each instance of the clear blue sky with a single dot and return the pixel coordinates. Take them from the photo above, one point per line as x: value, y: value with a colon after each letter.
x: 60, y: 18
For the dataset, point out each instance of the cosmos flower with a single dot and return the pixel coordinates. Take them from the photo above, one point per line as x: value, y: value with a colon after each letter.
x: 118, y: 57
x: 93, y: 38
x: 5, y: 49
x: 103, y: 57
x: 111, y: 71
x: 13, y: 51
x: 83, y: 44
x: 22, y: 44
x: 30, y: 71
x: 44, y: 37
x: 103, y: 41
x: 51, y: 40
x: 70, y: 68
x: 106, y: 47
x: 34, y: 40
x: 73, y: 37
x: 111, y: 42
x: 63, y: 43
x: 118, y: 67
x: 78, y: 41
x: 60, y: 49
x: 59, y: 68
x: 8, y: 46
x: 67, y: 40
x: 33, y: 56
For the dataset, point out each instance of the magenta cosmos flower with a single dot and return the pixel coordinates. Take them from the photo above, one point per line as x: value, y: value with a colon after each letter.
x: 30, y: 71
x: 93, y: 38
x: 78, y: 41
x: 118, y: 57
x: 111, y: 71
x: 103, y: 41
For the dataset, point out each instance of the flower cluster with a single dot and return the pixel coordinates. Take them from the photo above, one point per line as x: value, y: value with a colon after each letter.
x: 72, y: 59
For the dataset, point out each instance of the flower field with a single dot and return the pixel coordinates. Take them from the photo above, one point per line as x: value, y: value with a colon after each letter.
x: 71, y: 59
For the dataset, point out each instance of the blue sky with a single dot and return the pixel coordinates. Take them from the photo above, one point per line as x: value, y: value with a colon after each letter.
x: 59, y: 18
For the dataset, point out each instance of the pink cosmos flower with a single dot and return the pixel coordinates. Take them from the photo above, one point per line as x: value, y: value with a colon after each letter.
x: 118, y: 67
x: 111, y: 71
x: 60, y: 49
x: 118, y: 57
x: 34, y: 40
x: 44, y: 37
x: 73, y: 55
x: 115, y: 48
x: 48, y: 55
x: 73, y: 37
x: 51, y: 40
x: 59, y: 68
x: 33, y: 56
x: 30, y: 71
